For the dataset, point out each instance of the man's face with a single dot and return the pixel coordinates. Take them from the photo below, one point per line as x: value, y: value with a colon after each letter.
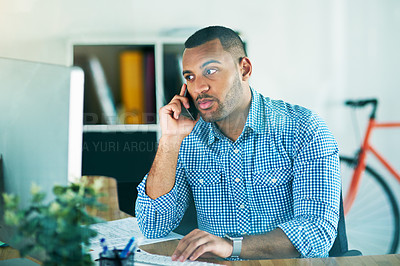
x: 213, y: 80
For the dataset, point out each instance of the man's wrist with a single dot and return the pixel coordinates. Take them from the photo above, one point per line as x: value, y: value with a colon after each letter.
x: 171, y: 139
x: 170, y: 143
x: 236, y: 244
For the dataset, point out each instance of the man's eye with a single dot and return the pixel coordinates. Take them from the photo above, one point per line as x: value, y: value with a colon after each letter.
x: 189, y: 77
x: 210, y: 71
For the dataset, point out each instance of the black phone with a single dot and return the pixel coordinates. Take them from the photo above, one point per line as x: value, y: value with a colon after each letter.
x: 192, y: 111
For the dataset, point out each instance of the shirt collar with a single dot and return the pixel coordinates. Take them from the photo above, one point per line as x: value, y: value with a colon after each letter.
x: 214, y: 133
x: 256, y: 118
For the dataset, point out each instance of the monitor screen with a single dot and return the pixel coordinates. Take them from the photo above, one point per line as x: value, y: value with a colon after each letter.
x: 41, y: 120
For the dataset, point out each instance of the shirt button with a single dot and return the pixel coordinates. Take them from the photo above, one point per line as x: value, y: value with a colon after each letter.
x: 201, y: 180
x: 241, y: 206
x: 236, y: 151
x: 237, y: 179
x: 274, y: 180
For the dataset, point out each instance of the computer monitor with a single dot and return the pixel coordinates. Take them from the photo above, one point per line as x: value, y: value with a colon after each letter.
x: 41, y: 121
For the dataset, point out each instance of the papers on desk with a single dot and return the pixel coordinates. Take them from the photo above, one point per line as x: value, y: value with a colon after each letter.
x: 117, y: 234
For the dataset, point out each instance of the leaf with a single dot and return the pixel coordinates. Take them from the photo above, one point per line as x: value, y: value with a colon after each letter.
x: 10, y: 201
x: 35, y: 189
x: 58, y: 190
x: 38, y: 197
x: 11, y: 218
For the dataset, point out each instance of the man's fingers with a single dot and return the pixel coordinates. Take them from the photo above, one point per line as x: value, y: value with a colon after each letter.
x: 194, y: 245
x: 178, y: 99
x: 183, y: 89
x: 173, y: 108
x: 199, y: 243
x: 184, y: 243
x: 201, y: 250
x: 175, y: 105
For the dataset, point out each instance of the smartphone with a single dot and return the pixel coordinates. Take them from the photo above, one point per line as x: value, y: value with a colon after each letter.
x: 190, y: 112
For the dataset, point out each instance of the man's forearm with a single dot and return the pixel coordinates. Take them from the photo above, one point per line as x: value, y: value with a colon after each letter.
x: 161, y: 178
x: 274, y: 244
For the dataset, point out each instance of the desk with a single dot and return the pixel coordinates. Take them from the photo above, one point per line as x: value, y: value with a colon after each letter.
x: 167, y: 248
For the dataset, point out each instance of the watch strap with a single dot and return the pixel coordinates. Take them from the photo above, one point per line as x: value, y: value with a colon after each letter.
x: 237, y: 245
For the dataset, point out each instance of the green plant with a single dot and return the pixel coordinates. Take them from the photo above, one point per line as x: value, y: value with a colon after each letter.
x: 59, y: 228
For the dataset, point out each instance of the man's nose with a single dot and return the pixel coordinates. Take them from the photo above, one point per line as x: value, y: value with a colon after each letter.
x: 200, y: 85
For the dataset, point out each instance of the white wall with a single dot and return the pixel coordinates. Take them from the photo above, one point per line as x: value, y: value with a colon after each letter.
x: 311, y: 52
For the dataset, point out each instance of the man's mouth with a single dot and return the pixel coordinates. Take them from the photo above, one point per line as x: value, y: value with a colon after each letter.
x: 205, y: 104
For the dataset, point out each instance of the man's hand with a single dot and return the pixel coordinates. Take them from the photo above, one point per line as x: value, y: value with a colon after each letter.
x: 172, y: 123
x: 199, y: 243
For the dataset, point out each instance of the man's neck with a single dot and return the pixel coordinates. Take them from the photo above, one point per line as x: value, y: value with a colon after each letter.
x: 232, y: 126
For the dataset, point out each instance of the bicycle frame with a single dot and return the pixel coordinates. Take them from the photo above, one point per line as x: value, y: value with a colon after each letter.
x: 362, y: 159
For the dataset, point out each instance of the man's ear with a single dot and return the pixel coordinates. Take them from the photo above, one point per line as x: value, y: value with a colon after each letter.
x: 245, y: 68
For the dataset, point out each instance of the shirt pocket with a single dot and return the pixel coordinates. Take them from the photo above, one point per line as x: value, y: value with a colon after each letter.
x: 272, y: 193
x: 273, y: 178
x: 203, y: 178
x: 207, y: 193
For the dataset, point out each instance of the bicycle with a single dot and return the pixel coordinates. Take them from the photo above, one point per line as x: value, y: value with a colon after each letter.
x: 378, y: 232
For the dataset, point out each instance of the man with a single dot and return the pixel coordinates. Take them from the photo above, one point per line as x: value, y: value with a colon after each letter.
x: 264, y: 174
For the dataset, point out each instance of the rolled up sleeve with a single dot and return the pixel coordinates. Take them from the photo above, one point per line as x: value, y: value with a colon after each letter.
x: 158, y: 217
x: 316, y: 193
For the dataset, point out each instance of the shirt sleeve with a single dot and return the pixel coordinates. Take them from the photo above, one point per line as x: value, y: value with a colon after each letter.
x: 158, y: 217
x: 316, y: 190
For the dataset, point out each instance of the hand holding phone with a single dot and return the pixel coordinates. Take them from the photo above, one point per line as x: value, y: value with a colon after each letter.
x: 192, y: 111
x: 171, y: 121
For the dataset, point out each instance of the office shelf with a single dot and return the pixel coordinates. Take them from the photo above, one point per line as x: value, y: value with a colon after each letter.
x: 124, y: 151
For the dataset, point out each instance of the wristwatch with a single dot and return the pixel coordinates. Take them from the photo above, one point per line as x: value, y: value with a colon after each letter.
x: 237, y: 244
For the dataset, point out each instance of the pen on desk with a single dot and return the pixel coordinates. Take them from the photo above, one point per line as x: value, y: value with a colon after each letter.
x: 104, y: 246
x: 135, y: 245
x: 124, y: 252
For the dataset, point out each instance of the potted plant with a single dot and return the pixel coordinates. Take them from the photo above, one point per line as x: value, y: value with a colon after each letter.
x: 60, y: 229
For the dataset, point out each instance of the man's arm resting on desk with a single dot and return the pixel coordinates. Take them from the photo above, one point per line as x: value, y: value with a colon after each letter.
x: 274, y: 244
x: 306, y: 236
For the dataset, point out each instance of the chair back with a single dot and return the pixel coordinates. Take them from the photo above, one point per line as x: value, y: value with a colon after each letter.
x: 340, y: 246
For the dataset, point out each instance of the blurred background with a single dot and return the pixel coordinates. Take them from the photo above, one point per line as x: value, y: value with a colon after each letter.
x: 308, y: 52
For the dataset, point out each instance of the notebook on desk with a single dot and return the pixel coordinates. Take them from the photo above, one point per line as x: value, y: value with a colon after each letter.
x: 117, y: 233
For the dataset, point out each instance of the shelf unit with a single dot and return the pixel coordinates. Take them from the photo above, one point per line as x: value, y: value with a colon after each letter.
x: 164, y: 49
x: 126, y: 151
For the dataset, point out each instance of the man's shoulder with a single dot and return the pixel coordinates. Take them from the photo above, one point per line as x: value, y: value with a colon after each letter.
x: 282, y: 116
x: 280, y: 110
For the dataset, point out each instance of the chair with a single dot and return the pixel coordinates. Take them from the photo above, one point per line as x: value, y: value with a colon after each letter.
x: 110, y: 199
x: 338, y: 249
x: 189, y: 220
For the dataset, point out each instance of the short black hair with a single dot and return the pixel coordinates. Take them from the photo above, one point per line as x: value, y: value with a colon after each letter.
x: 230, y: 40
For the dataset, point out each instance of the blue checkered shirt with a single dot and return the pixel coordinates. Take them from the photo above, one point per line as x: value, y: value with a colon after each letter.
x: 283, y: 171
